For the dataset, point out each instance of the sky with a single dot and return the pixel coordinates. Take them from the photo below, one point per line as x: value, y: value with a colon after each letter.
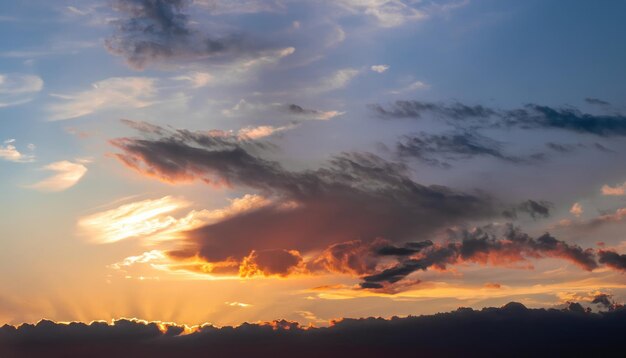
x: 218, y: 161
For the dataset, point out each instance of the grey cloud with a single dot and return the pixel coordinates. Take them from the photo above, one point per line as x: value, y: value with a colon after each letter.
x: 438, y: 149
x: 512, y: 330
x: 613, y: 259
x: 353, y: 196
x: 597, y: 101
x: 486, y: 245
x: 158, y: 31
x: 531, y: 116
x: 535, y: 209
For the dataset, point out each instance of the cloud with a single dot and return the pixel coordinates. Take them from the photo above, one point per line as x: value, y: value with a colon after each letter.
x: 112, y: 93
x: 438, y: 149
x: 576, y: 210
x: 535, y: 209
x: 569, y: 331
x: 531, y: 116
x: 160, y: 32
x: 617, y: 190
x: 152, y: 219
x: 218, y: 7
x: 379, y: 68
x: 355, y: 195
x: 314, y: 113
x: 260, y: 131
x: 275, y: 262
x: 9, y: 152
x: 597, y: 101
x: 613, y: 259
x: 196, y: 79
x: 486, y: 245
x: 16, y: 89
x: 413, y: 86
x: 386, y: 13
x: 337, y: 80
x: 67, y: 175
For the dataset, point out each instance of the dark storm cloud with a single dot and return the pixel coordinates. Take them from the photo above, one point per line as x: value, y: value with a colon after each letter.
x: 353, y: 196
x: 531, y: 116
x: 597, y: 101
x: 437, y: 149
x: 152, y: 31
x: 512, y: 330
x: 487, y: 246
x: 613, y: 259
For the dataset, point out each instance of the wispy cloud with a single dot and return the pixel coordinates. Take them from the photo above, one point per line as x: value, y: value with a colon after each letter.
x: 16, y: 89
x: 67, y: 175
x: 153, y: 219
x: 337, y: 80
x: 116, y: 92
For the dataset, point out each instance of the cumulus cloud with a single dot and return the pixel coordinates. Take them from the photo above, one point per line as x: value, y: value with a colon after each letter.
x: 580, y: 332
x: 576, y: 210
x: 9, y: 152
x: 531, y: 116
x: 379, y: 68
x: 16, y: 89
x: 617, y: 190
x: 159, y: 31
x: 67, y: 175
x: 613, y: 259
x: 112, y: 93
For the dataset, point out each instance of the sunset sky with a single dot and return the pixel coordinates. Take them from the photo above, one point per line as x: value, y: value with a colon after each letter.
x: 232, y: 161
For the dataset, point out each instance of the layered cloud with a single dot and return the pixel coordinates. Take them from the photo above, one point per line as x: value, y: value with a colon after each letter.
x: 357, y: 215
x: 573, y: 330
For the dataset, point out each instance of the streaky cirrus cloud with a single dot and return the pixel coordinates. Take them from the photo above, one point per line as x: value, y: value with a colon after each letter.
x: 9, y: 152
x: 152, y: 219
x: 16, y: 88
x: 160, y: 32
x: 531, y: 116
x: 68, y: 173
x: 572, y: 330
x: 112, y: 93
x: 439, y: 149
